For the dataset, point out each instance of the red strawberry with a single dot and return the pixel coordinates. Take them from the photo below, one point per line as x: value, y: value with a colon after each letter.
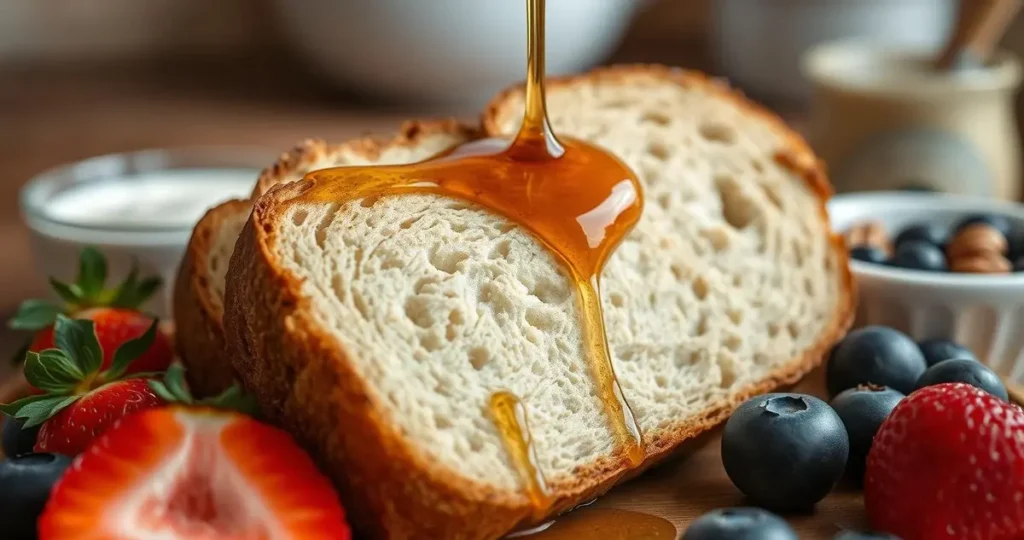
x: 81, y: 400
x: 948, y: 463
x: 113, y: 310
x: 193, y: 473
x: 115, y: 326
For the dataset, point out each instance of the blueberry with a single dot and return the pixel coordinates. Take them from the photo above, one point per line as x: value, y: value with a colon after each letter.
x: 785, y: 451
x: 869, y: 254
x: 739, y: 524
x: 930, y: 233
x: 25, y: 484
x: 864, y: 535
x: 967, y: 371
x: 875, y: 355
x: 17, y: 440
x: 1000, y: 223
x: 937, y: 350
x: 863, y: 409
x: 918, y: 255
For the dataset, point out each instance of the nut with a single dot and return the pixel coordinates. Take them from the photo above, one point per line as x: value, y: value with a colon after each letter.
x: 979, y: 238
x: 982, y: 263
x: 869, y: 233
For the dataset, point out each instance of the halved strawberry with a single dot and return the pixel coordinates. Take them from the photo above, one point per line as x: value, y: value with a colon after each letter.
x: 114, y: 310
x: 80, y: 399
x: 193, y: 473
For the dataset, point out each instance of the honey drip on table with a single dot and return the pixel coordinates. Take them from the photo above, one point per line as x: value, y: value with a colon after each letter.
x: 577, y: 199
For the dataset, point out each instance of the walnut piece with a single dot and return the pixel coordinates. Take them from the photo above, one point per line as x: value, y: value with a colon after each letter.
x: 979, y: 238
x: 981, y: 263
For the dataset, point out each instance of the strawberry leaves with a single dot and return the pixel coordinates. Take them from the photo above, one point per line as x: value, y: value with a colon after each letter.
x: 72, y: 369
x: 89, y: 290
x: 174, y: 389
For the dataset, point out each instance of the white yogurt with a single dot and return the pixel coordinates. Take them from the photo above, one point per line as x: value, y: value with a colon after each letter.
x: 133, y: 207
x: 161, y: 199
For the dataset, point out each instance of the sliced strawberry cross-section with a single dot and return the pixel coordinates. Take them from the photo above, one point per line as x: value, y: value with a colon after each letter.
x: 193, y: 473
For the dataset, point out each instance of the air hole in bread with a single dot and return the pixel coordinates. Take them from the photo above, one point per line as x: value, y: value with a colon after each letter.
x: 423, y: 284
x: 550, y: 292
x: 299, y: 217
x: 793, y: 328
x: 325, y: 222
x: 757, y: 165
x: 659, y: 151
x: 499, y: 302
x: 717, y: 237
x: 809, y: 286
x: 683, y: 358
x: 500, y: 251
x: 417, y: 310
x: 677, y: 272
x: 798, y: 252
x: 733, y: 342
x: 664, y: 200
x: 773, y: 329
x: 702, y: 325
x: 431, y: 342
x: 717, y: 132
x: 700, y: 287
x: 506, y: 227
x: 442, y: 422
x: 737, y: 280
x: 367, y: 202
x: 737, y: 209
x: 616, y: 104
x: 656, y: 118
x: 476, y: 443
x: 458, y: 227
x: 459, y: 205
x: 727, y: 365
x: 735, y: 315
x: 407, y: 224
x: 617, y: 299
x: 772, y: 196
x: 541, y: 319
x: 661, y: 381
x: 479, y: 357
x: 445, y: 260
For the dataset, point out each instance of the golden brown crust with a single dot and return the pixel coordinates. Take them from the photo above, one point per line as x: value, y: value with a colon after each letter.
x: 310, y: 151
x: 304, y: 379
x: 197, y: 314
x: 199, y: 335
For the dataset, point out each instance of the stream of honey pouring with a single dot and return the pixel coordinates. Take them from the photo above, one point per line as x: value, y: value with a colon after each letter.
x: 577, y: 199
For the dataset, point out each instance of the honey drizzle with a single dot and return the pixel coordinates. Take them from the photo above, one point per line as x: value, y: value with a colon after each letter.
x: 509, y: 416
x: 578, y: 200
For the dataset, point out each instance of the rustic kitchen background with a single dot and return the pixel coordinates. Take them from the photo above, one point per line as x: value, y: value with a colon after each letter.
x: 86, y: 77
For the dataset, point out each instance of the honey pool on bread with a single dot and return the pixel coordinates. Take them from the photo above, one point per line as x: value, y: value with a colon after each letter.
x: 578, y: 200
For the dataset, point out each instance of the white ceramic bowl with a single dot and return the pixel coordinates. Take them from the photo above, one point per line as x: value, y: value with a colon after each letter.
x: 454, y: 51
x: 984, y: 312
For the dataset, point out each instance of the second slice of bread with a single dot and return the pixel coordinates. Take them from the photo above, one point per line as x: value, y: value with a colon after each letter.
x: 199, y: 288
x: 376, y: 330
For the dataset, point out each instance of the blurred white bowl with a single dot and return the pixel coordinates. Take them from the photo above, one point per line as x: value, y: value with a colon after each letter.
x: 759, y: 42
x: 454, y: 51
x: 984, y: 312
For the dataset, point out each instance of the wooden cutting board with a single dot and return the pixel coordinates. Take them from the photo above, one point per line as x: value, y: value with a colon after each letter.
x: 687, y: 487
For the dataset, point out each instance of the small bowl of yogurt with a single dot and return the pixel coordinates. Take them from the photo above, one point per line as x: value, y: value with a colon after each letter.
x: 138, y: 207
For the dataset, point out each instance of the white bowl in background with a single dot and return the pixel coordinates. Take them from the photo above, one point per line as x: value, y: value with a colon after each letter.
x: 451, y: 51
x: 758, y: 43
x: 984, y: 312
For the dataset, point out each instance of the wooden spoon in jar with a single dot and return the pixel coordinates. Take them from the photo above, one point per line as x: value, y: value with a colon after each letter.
x: 980, y: 24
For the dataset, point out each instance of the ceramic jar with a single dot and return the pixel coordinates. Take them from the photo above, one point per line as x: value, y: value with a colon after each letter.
x: 883, y: 119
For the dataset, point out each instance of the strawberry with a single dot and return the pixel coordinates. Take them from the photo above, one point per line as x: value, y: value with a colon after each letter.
x: 113, y: 310
x: 80, y: 399
x: 948, y: 463
x: 193, y: 473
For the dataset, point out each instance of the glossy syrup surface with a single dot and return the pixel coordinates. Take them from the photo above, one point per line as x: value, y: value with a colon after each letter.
x: 577, y: 199
x: 607, y: 524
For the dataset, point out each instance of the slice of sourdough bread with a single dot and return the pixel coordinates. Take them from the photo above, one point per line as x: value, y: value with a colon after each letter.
x: 376, y: 330
x: 199, y: 289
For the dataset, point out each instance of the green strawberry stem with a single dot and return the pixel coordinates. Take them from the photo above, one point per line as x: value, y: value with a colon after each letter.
x: 87, y: 291
x: 174, y: 389
x: 73, y: 369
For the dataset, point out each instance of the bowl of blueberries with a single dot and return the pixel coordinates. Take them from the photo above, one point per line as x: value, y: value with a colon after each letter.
x: 939, y: 266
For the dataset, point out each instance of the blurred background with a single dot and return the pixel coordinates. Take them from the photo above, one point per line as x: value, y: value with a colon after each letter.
x: 80, y: 78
